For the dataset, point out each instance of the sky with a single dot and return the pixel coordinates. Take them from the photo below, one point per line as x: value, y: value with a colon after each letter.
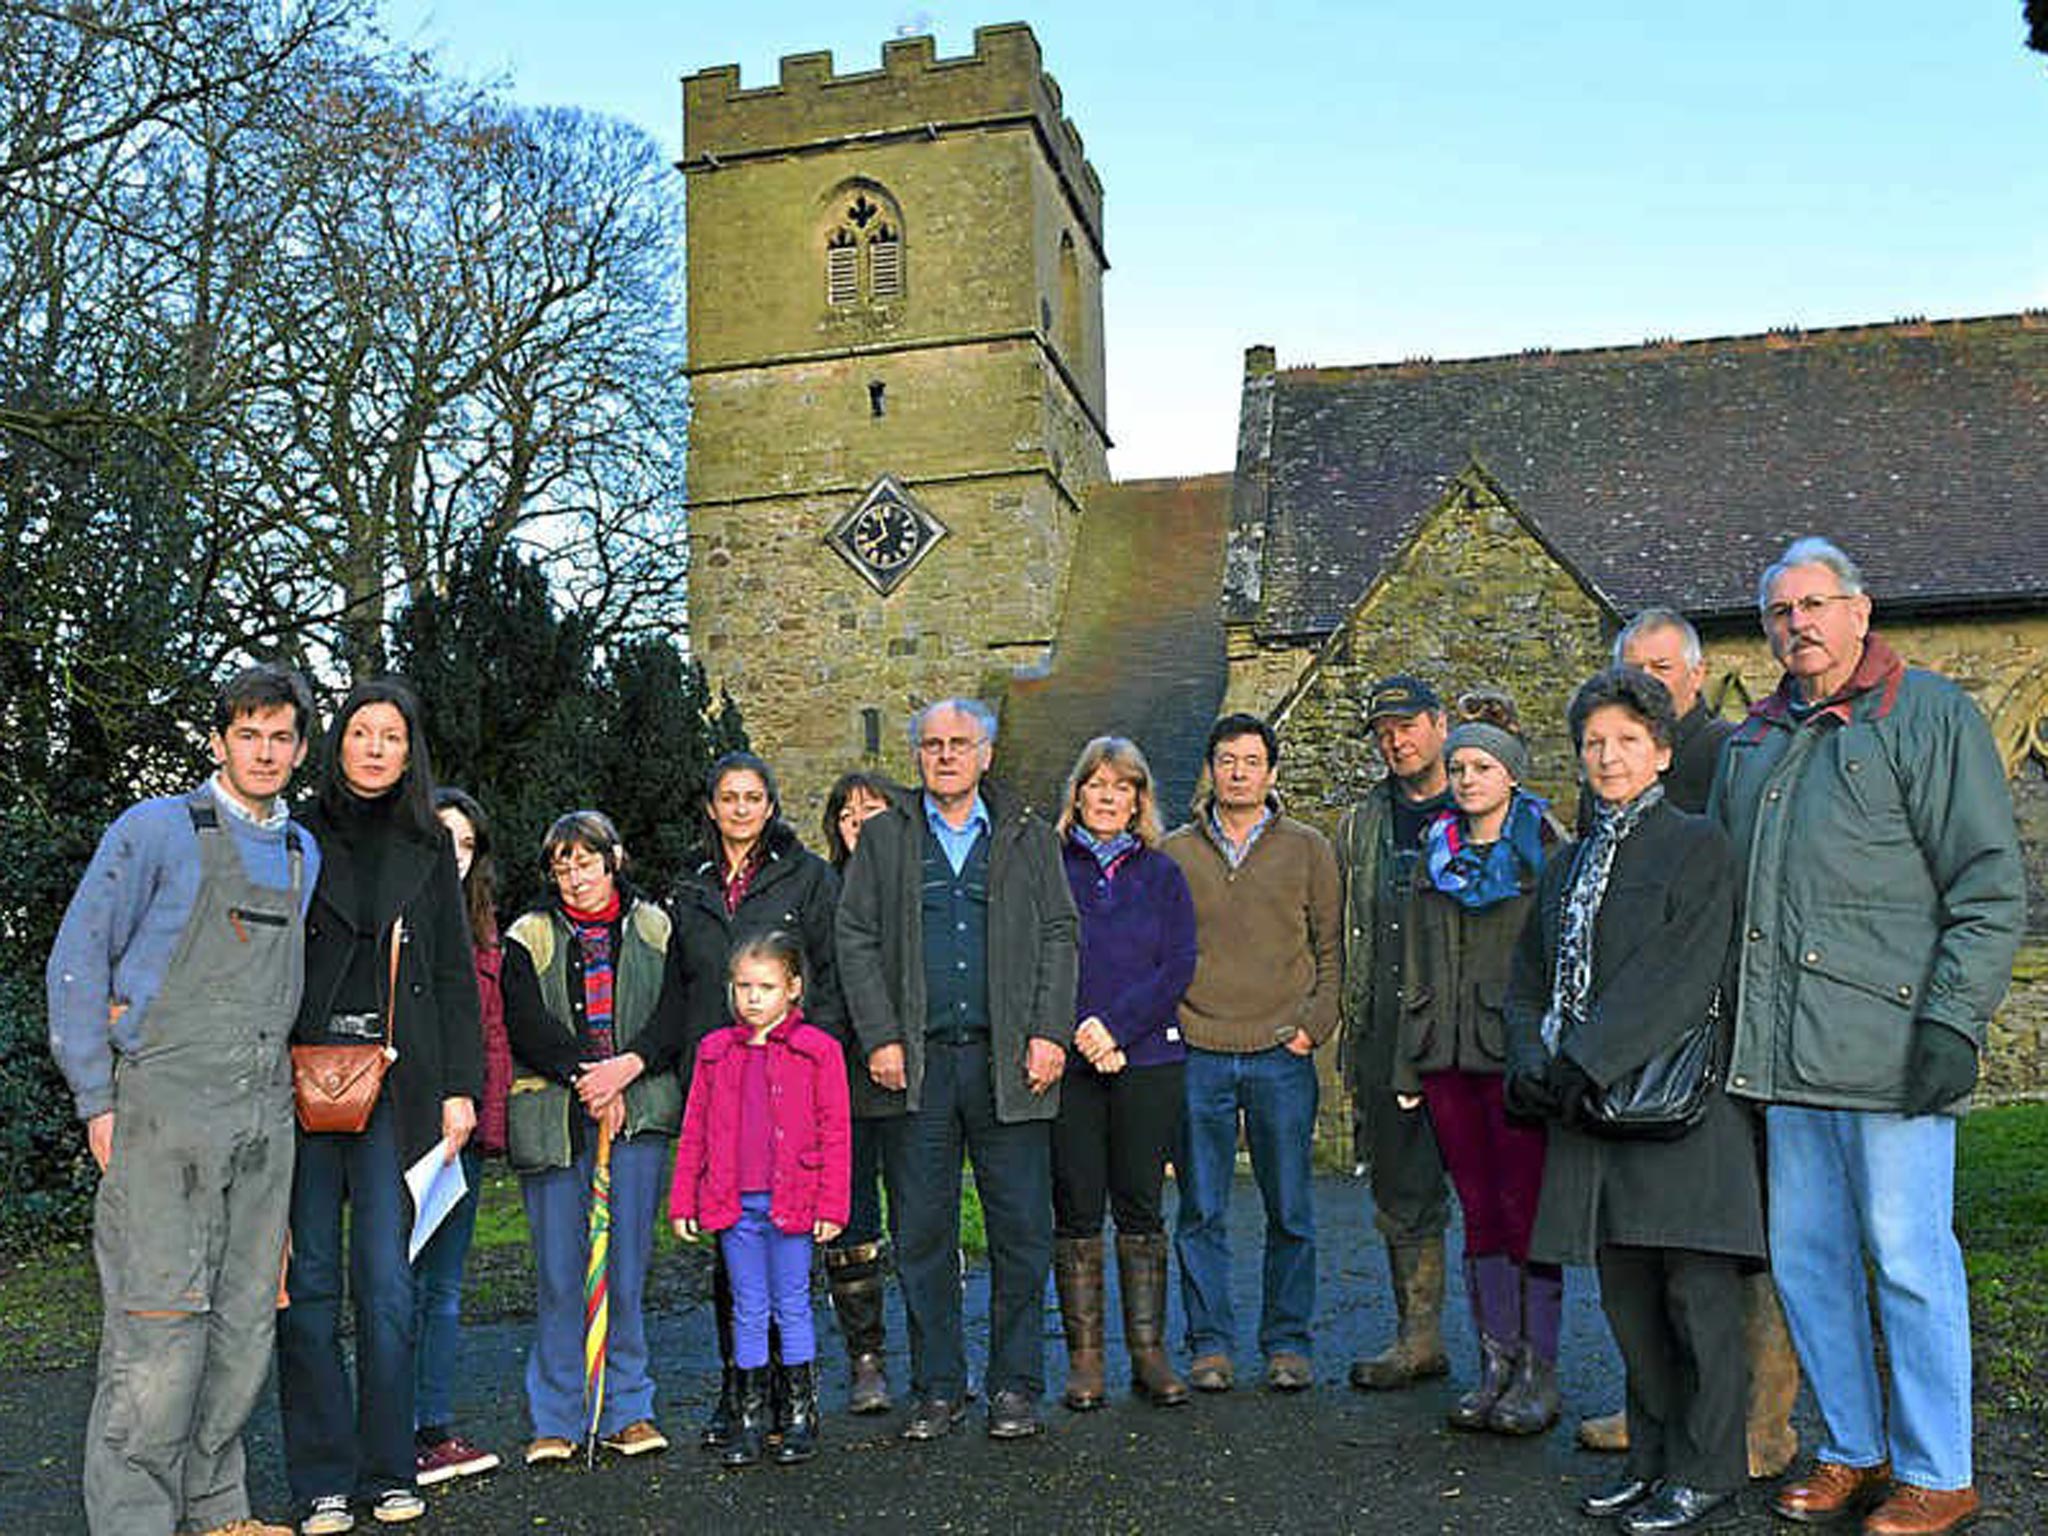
x: 1361, y: 181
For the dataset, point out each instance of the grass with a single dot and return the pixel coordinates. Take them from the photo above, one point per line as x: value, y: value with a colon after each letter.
x: 49, y: 1304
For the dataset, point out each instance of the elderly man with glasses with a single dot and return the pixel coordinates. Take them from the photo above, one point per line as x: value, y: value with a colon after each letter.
x: 957, y: 958
x: 1884, y: 904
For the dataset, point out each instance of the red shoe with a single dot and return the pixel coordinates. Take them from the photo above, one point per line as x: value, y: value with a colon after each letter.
x: 450, y: 1458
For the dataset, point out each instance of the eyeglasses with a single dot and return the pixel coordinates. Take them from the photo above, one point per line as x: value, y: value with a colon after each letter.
x: 948, y: 746
x: 1811, y: 606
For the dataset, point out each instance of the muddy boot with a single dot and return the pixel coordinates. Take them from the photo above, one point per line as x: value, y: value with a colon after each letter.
x: 800, y: 1431
x: 855, y: 1276
x: 1418, y: 1348
x: 1529, y: 1406
x: 1141, y: 1277
x: 750, y: 1426
x: 1077, y: 1272
x: 1491, y: 1285
x: 1773, y: 1378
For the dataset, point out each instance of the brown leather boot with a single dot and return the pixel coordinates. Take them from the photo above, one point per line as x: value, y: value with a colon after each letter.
x: 1141, y: 1278
x: 1418, y: 1348
x: 854, y: 1274
x: 1077, y: 1271
x: 1773, y: 1379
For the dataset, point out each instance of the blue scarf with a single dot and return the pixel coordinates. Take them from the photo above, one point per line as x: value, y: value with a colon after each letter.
x: 1484, y: 876
x: 1109, y: 851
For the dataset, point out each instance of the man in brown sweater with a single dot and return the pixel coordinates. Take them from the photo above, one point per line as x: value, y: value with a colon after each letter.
x: 1263, y: 998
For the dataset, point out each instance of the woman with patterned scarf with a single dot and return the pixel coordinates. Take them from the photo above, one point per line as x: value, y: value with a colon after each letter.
x: 1624, y: 954
x: 1474, y: 886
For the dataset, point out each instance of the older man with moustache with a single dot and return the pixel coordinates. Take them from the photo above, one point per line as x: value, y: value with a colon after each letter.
x: 1885, y: 899
x: 956, y: 942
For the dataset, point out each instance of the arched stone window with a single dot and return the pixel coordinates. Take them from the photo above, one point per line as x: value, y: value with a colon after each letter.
x: 863, y: 247
x: 1070, y: 299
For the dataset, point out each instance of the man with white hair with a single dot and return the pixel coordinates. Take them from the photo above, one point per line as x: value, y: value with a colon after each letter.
x: 957, y: 956
x: 1885, y: 900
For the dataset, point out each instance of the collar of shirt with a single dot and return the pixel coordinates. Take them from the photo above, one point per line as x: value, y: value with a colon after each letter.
x: 957, y: 842
x: 274, y: 822
x: 1236, y: 853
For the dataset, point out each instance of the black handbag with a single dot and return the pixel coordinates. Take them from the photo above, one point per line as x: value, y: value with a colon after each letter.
x: 1668, y: 1094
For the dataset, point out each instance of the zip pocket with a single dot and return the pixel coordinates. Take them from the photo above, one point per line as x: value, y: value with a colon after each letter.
x: 237, y: 916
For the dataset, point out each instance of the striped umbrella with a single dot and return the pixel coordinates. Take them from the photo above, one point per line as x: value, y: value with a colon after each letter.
x: 596, y: 1308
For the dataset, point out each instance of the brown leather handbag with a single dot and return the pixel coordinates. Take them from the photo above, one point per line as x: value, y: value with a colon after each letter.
x: 335, y: 1087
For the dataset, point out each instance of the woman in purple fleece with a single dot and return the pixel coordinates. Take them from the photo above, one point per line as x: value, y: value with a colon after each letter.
x: 1120, y: 1105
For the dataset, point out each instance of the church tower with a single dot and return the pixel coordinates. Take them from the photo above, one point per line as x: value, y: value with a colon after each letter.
x: 896, y: 375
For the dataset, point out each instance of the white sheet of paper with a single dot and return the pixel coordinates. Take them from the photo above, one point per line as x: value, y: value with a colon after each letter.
x: 438, y: 1184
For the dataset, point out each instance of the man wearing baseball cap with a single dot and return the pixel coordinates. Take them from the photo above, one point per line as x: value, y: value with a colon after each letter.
x: 1378, y: 841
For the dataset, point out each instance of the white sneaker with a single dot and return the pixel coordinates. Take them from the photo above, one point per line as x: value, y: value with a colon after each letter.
x: 329, y: 1516
x: 395, y: 1506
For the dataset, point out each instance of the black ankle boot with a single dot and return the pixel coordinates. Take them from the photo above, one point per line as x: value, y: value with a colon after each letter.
x: 800, y: 1429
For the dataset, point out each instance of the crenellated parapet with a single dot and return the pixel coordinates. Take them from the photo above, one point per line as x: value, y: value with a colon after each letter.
x: 1002, y: 84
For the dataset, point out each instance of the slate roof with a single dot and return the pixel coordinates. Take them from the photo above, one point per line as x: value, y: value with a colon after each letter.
x: 1140, y: 646
x: 1667, y: 473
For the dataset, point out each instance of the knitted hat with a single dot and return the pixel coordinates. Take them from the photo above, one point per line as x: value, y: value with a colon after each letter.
x: 1504, y: 747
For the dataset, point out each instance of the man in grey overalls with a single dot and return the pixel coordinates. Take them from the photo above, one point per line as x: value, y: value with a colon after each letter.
x: 172, y: 989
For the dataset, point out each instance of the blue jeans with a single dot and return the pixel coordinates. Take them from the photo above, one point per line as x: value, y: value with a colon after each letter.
x: 1013, y: 1176
x: 336, y: 1440
x: 1277, y: 1091
x: 558, y: 1221
x: 1851, y: 1183
x: 770, y: 1271
x: 437, y: 1307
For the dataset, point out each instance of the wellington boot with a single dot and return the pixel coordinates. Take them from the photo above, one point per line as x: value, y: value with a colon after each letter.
x: 1141, y: 1277
x: 854, y: 1274
x: 718, y: 1427
x: 1496, y: 1371
x: 1077, y: 1272
x: 750, y: 1429
x: 800, y: 1430
x: 1529, y: 1406
x: 1417, y: 1352
x: 1773, y: 1379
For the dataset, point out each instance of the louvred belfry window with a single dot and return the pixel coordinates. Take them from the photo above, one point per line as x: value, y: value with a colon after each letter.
x: 864, y: 251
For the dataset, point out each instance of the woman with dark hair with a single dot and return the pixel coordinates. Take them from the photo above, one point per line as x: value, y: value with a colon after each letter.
x: 856, y: 1261
x: 1474, y: 885
x: 753, y: 876
x: 1623, y: 955
x: 595, y: 1021
x: 1121, y: 1100
x: 439, y: 1452
x: 388, y: 885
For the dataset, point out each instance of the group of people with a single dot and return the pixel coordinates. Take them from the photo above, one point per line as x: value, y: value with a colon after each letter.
x: 797, y: 1052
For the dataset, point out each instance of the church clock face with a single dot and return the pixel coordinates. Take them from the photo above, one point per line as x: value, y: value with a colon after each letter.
x: 885, y: 534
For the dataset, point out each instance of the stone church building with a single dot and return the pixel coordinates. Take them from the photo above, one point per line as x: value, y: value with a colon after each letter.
x: 899, y: 487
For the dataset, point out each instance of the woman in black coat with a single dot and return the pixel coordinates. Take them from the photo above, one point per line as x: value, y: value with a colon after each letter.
x: 755, y: 876
x: 387, y: 875
x: 1624, y: 953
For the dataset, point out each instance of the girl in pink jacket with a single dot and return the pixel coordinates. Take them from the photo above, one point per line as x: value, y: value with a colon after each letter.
x: 763, y: 1161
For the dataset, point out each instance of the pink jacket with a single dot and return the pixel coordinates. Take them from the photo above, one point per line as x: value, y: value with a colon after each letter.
x: 810, y: 1172
x: 490, y: 1110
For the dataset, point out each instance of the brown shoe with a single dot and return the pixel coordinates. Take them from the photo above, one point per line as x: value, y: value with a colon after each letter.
x: 1607, y: 1433
x: 1831, y: 1491
x: 249, y: 1528
x: 639, y: 1438
x: 1917, y: 1511
x: 1211, y: 1373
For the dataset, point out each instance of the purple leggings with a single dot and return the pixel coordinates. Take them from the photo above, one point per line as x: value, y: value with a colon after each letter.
x: 771, y: 1276
x: 1496, y: 1163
